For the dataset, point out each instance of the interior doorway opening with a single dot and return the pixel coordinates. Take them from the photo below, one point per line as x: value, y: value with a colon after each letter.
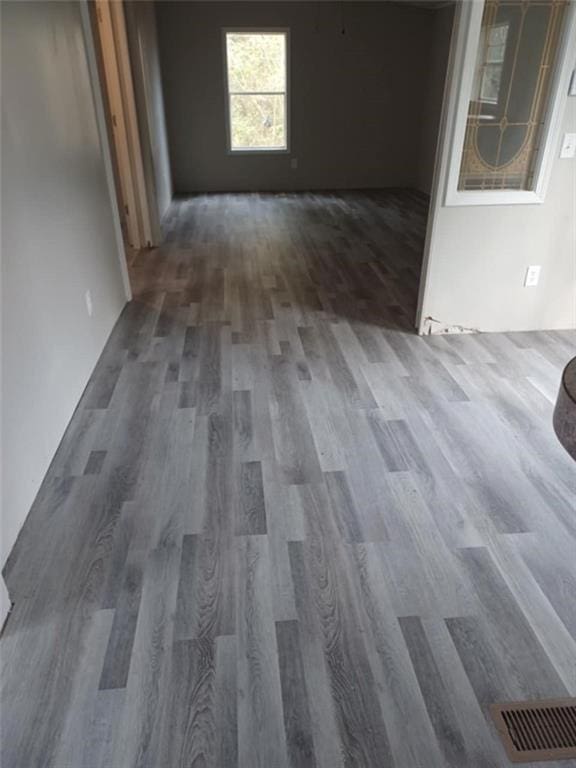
x: 126, y: 122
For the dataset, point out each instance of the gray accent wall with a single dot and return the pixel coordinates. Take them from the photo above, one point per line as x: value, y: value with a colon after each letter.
x: 440, y: 36
x: 59, y: 240
x: 359, y: 74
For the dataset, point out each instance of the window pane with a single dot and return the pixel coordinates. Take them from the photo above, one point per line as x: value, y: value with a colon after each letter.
x: 258, y: 121
x: 256, y: 62
x: 514, y: 68
x: 497, y: 35
x: 495, y: 53
x: 490, y: 86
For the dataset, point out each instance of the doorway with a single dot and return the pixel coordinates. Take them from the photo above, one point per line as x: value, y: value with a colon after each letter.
x: 139, y: 227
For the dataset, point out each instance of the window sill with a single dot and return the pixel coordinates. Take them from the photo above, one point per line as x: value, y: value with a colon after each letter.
x: 493, y: 197
x: 258, y: 151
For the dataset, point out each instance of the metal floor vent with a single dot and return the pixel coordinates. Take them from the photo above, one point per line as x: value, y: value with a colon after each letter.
x: 535, y: 731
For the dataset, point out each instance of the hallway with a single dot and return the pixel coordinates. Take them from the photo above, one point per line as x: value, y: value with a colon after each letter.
x: 283, y: 530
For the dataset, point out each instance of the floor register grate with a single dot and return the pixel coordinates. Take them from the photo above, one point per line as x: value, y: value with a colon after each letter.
x: 535, y: 731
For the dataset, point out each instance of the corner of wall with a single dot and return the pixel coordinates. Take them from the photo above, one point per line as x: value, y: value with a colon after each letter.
x: 5, y: 603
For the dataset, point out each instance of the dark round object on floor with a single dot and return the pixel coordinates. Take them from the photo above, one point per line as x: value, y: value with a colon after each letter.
x: 565, y: 411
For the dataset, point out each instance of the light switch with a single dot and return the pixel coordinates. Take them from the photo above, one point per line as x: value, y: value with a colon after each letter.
x: 568, y: 145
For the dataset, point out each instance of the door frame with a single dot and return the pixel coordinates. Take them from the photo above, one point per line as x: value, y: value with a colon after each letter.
x: 94, y: 62
x: 118, y: 88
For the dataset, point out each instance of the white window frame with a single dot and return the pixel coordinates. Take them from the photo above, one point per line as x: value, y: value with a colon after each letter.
x: 465, y: 49
x: 257, y: 31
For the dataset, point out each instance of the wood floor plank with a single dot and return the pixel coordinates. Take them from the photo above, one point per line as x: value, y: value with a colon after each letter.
x: 506, y: 627
x: 95, y: 462
x: 98, y: 743
x: 243, y: 424
x: 327, y: 740
x: 261, y: 734
x: 362, y: 730
x: 292, y: 435
x: 75, y: 450
x: 70, y: 749
x: 324, y: 424
x: 138, y: 739
x: 481, y: 741
x: 294, y: 696
x: 191, y: 725
x: 119, y: 651
x: 281, y: 529
x: 284, y: 524
x: 412, y: 739
x: 226, y: 701
x: 344, y: 509
x: 438, y: 703
x: 251, y: 508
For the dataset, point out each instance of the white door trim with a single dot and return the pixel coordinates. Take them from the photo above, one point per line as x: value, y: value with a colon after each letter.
x: 104, y: 141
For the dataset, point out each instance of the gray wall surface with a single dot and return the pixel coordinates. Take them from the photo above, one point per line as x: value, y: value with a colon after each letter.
x: 145, y: 61
x: 59, y: 239
x: 438, y: 61
x: 356, y: 98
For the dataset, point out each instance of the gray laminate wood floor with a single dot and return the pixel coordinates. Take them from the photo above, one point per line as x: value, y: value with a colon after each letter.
x: 281, y: 529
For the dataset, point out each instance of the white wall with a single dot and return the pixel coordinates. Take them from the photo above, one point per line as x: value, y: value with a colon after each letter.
x: 59, y: 239
x: 479, y: 254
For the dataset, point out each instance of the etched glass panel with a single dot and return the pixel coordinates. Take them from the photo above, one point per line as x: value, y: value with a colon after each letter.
x: 519, y: 42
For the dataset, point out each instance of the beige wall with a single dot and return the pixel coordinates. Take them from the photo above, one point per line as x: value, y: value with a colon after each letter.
x: 59, y: 239
x: 357, y: 98
x: 479, y: 254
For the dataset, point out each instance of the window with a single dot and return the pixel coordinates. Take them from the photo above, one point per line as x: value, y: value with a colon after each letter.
x: 511, y: 73
x: 256, y: 84
x: 491, y: 71
x: 506, y: 116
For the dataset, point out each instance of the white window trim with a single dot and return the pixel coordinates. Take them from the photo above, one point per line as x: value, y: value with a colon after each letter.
x: 460, y: 90
x: 256, y: 31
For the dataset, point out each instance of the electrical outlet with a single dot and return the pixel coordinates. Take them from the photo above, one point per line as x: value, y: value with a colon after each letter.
x: 294, y: 163
x: 532, y: 276
x: 89, y: 305
x: 568, y: 145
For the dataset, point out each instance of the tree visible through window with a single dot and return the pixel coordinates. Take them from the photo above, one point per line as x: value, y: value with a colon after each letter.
x: 257, y: 94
